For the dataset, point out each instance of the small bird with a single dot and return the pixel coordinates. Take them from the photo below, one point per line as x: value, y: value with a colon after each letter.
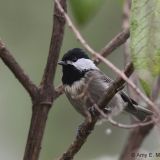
x: 85, y: 85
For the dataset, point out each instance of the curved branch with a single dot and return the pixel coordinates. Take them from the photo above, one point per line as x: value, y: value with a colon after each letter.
x: 107, y: 62
x: 16, y: 69
x: 137, y: 135
x: 86, y: 127
x: 135, y: 140
x: 117, y: 41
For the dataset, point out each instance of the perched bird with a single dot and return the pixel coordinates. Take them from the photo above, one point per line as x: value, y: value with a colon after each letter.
x: 84, y: 86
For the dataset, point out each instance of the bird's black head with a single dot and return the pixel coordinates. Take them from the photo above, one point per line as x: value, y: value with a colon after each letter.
x: 74, y: 54
x: 75, y: 64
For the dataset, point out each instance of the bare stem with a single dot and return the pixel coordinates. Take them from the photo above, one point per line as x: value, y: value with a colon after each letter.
x: 38, y: 122
x: 47, y: 93
x: 86, y: 127
x: 135, y: 140
x: 117, y: 41
x: 107, y: 62
x: 84, y: 131
x: 16, y: 69
x: 55, y: 44
x: 137, y: 135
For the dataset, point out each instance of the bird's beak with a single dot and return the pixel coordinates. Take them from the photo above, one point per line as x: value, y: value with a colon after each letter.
x: 62, y: 63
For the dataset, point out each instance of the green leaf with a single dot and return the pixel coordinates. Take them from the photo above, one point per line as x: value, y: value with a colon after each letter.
x: 145, y: 38
x: 84, y: 10
x: 146, y: 87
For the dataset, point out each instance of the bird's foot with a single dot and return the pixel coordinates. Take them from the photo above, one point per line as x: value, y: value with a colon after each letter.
x: 107, y: 110
x: 93, y: 111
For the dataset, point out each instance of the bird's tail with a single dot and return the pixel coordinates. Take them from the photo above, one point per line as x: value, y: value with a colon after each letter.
x: 140, y: 112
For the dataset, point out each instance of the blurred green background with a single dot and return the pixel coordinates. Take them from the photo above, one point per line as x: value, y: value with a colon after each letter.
x: 25, y: 27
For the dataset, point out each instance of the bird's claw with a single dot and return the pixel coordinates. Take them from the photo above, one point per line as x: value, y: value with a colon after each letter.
x: 93, y: 111
x: 107, y: 110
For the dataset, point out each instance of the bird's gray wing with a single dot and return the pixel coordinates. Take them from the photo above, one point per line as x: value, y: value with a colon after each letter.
x: 97, y: 84
x: 100, y: 82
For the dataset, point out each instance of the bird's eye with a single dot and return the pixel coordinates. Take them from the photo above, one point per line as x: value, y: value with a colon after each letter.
x: 74, y: 59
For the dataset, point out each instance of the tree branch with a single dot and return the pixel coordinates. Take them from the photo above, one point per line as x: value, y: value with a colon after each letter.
x: 55, y: 44
x: 135, y: 140
x: 86, y: 127
x: 127, y: 55
x: 137, y: 135
x: 117, y: 41
x: 47, y: 93
x: 84, y: 131
x: 67, y: 155
x: 156, y: 89
x: 107, y: 62
x: 16, y: 69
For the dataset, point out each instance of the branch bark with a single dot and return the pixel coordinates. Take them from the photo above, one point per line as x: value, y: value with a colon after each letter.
x: 18, y: 72
x: 135, y: 141
x: 55, y: 44
x: 137, y: 135
x: 47, y: 93
x: 86, y: 127
x: 117, y: 41
x: 107, y: 62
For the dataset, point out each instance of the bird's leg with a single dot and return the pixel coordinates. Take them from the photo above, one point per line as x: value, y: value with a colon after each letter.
x: 107, y: 110
x: 93, y: 111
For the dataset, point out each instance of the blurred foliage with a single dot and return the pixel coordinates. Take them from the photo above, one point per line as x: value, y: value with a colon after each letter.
x: 84, y: 10
x: 145, y: 85
x: 25, y: 27
x: 145, y: 38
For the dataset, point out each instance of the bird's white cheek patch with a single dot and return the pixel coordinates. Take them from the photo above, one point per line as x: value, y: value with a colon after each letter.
x: 84, y: 64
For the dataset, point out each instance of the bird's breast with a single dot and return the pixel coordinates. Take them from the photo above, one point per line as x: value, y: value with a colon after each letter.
x: 75, y: 89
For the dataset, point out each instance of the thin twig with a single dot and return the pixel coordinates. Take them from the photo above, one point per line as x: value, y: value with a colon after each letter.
x: 73, y: 147
x: 108, y: 63
x: 156, y: 89
x: 86, y: 128
x: 108, y: 117
x: 131, y: 126
x: 16, y: 69
x: 120, y: 125
x: 117, y: 41
x: 135, y: 140
x: 127, y: 54
x: 137, y: 135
